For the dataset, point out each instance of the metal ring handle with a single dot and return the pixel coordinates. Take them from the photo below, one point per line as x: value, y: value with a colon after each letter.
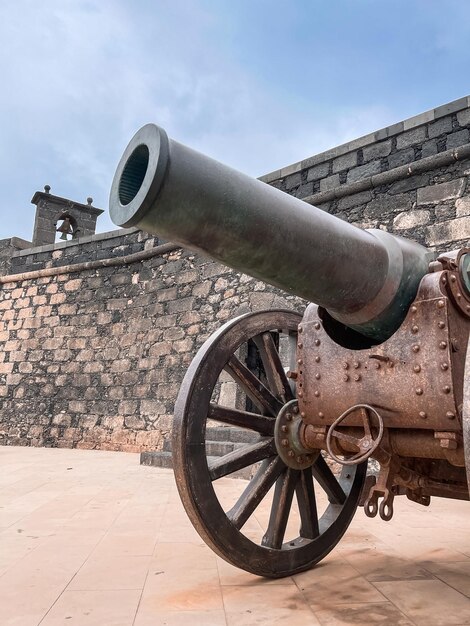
x: 355, y: 460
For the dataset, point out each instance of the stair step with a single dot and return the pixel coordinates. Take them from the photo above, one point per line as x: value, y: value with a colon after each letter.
x: 157, y: 459
x: 164, y: 459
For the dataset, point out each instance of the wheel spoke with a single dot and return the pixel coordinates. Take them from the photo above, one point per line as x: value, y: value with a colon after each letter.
x: 238, y: 459
x: 242, y: 419
x: 280, y: 509
x: 253, y: 387
x: 327, y: 481
x: 273, y: 367
x: 255, y: 491
x: 305, y: 492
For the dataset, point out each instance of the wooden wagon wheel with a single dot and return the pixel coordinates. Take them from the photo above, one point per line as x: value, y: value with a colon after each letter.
x: 225, y: 530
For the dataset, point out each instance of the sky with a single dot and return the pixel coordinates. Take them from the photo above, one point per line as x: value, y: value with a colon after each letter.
x: 256, y: 84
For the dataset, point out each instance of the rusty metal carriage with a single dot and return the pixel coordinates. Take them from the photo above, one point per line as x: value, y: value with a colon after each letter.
x: 377, y: 369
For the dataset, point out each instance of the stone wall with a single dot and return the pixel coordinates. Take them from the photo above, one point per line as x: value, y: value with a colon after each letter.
x: 430, y: 205
x: 94, y: 358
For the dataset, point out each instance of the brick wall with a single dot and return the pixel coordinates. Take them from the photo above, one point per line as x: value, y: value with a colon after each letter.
x: 94, y: 359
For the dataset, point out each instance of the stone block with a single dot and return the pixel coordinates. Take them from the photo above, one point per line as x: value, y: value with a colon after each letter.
x: 377, y: 150
x: 402, y: 157
x: 448, y: 232
x: 363, y: 171
x: 457, y: 139
x: 429, y: 148
x: 411, y: 219
x: 355, y: 199
x: 151, y: 407
x: 411, y: 137
x: 318, y: 171
x: 329, y: 183
x: 442, y: 126
x: 73, y: 285
x: 463, y: 117
x: 436, y: 194
x: 293, y: 181
x: 135, y: 422
x: 462, y: 206
x: 385, y: 205
x: 345, y: 162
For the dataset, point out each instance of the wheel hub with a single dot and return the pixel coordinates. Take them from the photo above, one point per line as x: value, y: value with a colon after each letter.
x: 286, y: 437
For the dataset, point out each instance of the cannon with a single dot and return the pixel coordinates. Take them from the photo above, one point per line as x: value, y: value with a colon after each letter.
x: 363, y: 398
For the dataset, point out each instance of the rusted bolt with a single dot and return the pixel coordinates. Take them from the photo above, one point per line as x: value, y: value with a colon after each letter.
x: 413, y: 309
x: 296, y: 409
x: 300, y: 329
x: 316, y: 325
x: 284, y: 428
x: 345, y: 378
x: 317, y: 342
x: 441, y: 324
x: 414, y: 329
x: 443, y: 345
x: 288, y: 417
x: 285, y: 442
x: 453, y: 278
x: 417, y: 368
x: 300, y: 459
x: 357, y: 377
x: 440, y: 304
x: 423, y: 415
x: 356, y: 365
x: 299, y: 361
x: 316, y: 394
x: 317, y: 359
x: 291, y: 453
x: 446, y: 389
x: 321, y: 415
x: 318, y: 376
x: 459, y: 295
x: 444, y: 366
x: 345, y: 365
x: 419, y: 391
x: 415, y: 348
x: 292, y: 375
x: 450, y: 415
x: 303, y: 414
x: 377, y: 365
x: 300, y: 345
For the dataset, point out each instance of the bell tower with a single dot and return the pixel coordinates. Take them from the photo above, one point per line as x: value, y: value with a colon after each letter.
x: 56, y: 214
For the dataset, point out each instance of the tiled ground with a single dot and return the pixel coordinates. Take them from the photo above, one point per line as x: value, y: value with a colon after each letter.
x: 93, y: 538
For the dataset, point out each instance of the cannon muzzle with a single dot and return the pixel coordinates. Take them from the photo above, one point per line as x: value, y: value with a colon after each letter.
x: 365, y: 279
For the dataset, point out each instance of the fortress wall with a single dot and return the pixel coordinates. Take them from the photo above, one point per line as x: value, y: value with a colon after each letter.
x: 94, y: 359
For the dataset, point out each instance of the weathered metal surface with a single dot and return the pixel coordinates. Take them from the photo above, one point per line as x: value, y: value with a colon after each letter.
x: 366, y: 279
x: 414, y: 379
x: 404, y: 442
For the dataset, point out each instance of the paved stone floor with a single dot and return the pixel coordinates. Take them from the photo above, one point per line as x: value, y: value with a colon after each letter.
x: 93, y: 538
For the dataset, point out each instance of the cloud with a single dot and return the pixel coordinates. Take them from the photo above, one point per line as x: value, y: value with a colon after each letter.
x: 81, y: 77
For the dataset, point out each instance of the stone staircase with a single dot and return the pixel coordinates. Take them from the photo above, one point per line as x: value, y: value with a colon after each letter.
x: 220, y: 441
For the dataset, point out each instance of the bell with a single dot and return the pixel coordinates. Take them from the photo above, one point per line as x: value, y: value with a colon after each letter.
x: 65, y: 228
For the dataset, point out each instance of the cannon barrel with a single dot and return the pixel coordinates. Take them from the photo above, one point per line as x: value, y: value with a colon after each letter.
x: 365, y: 279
